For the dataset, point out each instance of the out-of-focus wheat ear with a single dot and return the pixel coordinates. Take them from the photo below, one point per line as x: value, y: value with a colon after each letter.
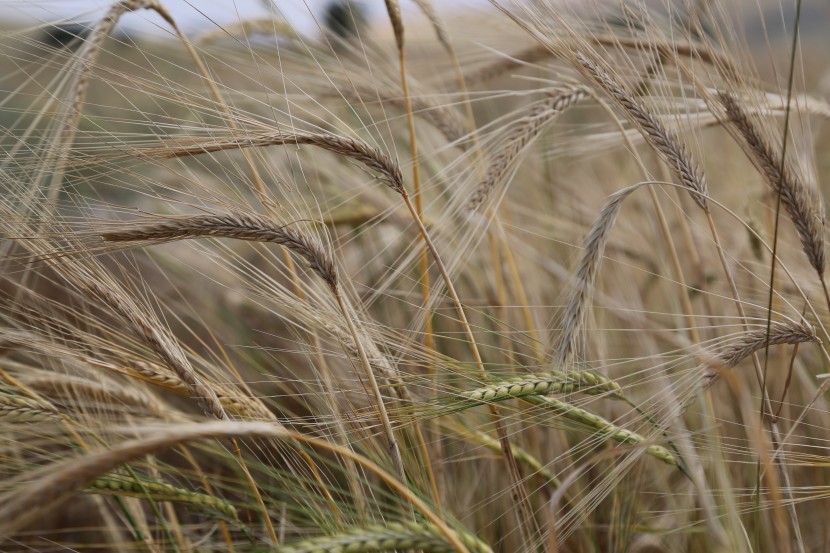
x: 784, y: 181
x: 369, y: 156
x: 498, y: 68
x: 540, y: 52
x: 163, y: 345
x: 84, y: 65
x: 64, y: 387
x: 393, y: 8
x: 393, y: 536
x: 239, y: 226
x: 586, y: 275
x: 52, y: 485
x: 755, y: 340
x: 665, y: 143
x: 445, y: 119
x: 15, y: 408
x: 427, y: 7
x: 523, y: 132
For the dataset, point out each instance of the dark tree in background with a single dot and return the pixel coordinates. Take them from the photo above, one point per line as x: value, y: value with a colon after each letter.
x: 344, y: 18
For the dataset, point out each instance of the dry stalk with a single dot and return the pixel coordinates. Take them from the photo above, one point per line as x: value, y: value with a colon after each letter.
x: 527, y: 521
x: 394, y: 10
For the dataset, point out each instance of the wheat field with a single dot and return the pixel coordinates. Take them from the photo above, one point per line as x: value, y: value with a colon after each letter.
x: 527, y: 276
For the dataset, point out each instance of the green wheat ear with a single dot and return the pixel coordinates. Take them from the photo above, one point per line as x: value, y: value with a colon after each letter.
x: 602, y: 426
x: 157, y: 491
x: 391, y: 537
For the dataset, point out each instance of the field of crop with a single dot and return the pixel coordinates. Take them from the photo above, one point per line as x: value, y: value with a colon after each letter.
x: 540, y: 276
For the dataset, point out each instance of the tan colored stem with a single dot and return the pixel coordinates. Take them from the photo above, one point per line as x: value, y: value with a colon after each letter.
x: 527, y: 522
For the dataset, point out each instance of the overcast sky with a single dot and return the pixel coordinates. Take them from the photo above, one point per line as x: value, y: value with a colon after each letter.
x: 190, y: 14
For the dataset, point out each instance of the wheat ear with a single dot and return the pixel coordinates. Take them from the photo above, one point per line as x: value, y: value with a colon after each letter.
x: 393, y: 536
x: 15, y: 408
x: 165, y: 346
x: 157, y: 491
x: 603, y: 426
x: 239, y: 226
x: 784, y: 181
x: 755, y: 340
x: 665, y: 143
x: 586, y: 274
x: 262, y: 25
x: 524, y: 131
x: 537, y: 384
x: 353, y: 148
x: 445, y: 119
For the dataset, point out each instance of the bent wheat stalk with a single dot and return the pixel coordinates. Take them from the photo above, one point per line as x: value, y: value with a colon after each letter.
x: 251, y: 227
x: 56, y: 483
